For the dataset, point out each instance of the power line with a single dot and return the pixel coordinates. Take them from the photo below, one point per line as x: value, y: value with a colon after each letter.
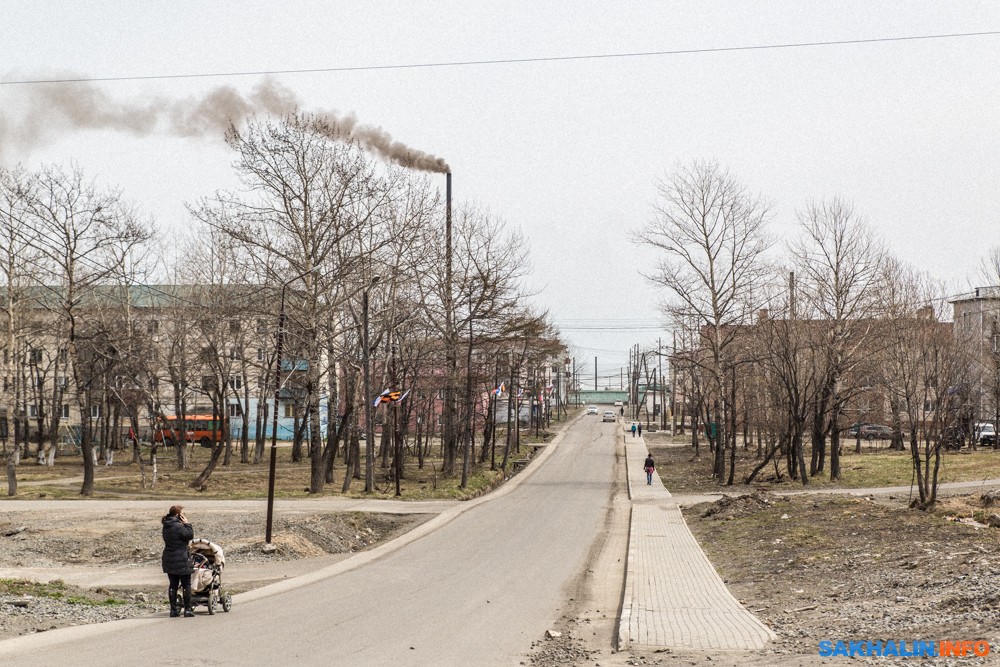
x: 507, y: 61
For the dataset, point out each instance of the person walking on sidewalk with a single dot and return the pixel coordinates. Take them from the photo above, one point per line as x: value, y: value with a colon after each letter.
x: 633, y: 429
x: 177, y: 533
x: 648, y: 467
x: 640, y: 429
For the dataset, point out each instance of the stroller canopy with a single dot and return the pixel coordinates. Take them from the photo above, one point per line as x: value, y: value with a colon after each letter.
x: 210, y: 550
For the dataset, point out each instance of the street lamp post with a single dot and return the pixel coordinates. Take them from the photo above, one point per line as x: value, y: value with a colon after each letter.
x: 369, y: 427
x: 279, y: 343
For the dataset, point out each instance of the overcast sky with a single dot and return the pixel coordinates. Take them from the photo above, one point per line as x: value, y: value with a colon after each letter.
x: 566, y: 151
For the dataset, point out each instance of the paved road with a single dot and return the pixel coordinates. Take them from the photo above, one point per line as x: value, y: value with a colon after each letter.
x: 474, y: 586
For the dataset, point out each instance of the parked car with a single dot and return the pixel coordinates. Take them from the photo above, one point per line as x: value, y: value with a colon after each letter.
x: 986, y: 434
x: 852, y: 430
x: 591, y: 409
x: 875, y: 432
x: 608, y: 416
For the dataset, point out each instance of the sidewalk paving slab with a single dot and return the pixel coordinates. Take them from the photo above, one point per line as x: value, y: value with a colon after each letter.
x: 673, y: 596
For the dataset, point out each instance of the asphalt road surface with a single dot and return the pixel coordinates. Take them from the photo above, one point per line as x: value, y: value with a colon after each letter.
x: 476, y: 591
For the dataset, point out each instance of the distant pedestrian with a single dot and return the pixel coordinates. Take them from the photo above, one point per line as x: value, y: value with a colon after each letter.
x: 648, y: 467
x: 621, y: 411
x: 633, y: 429
x: 640, y: 430
x: 177, y: 533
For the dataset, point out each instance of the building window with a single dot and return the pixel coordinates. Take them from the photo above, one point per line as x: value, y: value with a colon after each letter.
x: 261, y: 327
x: 6, y: 356
x: 32, y: 410
x: 153, y: 326
x: 61, y: 381
x: 260, y: 354
x: 63, y: 355
x: 65, y: 410
x: 95, y: 411
x: 234, y: 410
x: 289, y: 410
x: 6, y: 383
x: 236, y: 382
x: 234, y: 326
x: 34, y: 356
x: 234, y: 353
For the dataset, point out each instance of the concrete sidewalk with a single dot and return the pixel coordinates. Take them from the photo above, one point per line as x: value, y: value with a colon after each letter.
x: 673, y: 596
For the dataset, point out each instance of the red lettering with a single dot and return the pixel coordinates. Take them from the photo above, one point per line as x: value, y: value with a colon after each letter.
x: 947, y: 648
x: 981, y: 648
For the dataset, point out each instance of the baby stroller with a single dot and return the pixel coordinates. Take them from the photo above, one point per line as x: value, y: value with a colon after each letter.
x: 208, y: 561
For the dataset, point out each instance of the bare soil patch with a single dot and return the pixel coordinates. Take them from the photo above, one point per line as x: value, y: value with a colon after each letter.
x: 827, y: 568
x: 60, y: 539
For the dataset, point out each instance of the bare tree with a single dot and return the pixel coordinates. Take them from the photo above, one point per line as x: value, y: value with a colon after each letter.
x: 710, y: 232
x: 924, y: 368
x: 19, y: 263
x: 841, y: 264
x: 78, y: 225
x: 306, y: 191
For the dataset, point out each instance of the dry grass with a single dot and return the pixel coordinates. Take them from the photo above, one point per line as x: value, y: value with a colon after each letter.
x: 681, y: 472
x: 246, y: 480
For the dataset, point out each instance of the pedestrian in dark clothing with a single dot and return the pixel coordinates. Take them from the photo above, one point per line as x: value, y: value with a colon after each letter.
x: 633, y: 429
x: 648, y: 467
x: 621, y: 411
x: 640, y: 430
x: 177, y: 533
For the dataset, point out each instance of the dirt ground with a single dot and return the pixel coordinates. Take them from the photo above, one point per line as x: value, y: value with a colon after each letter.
x: 62, y: 539
x: 827, y: 568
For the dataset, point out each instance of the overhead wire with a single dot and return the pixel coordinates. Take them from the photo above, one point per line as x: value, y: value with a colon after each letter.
x: 505, y: 61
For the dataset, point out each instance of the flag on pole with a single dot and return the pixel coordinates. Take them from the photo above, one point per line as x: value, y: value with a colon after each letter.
x: 499, y: 390
x: 381, y: 398
x: 390, y: 396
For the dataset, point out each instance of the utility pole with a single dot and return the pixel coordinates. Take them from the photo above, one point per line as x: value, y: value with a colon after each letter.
x: 663, y: 392
x: 673, y: 390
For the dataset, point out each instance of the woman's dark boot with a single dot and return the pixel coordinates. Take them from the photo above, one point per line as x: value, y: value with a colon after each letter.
x: 175, y: 610
x: 187, y: 603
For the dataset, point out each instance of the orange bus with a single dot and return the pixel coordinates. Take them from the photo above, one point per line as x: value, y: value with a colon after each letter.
x: 198, y: 428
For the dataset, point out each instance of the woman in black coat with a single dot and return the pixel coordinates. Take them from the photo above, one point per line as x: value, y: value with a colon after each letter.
x: 177, y: 533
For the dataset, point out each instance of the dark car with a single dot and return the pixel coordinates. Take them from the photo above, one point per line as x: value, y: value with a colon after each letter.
x: 876, y: 432
x: 852, y: 430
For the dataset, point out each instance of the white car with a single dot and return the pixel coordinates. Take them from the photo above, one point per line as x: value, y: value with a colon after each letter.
x: 591, y: 409
x: 608, y: 416
x: 986, y: 435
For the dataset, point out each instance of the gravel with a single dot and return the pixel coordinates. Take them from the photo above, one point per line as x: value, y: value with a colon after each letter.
x: 60, y: 539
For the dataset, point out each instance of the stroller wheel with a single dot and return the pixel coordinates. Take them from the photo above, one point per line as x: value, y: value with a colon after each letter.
x: 211, y: 601
x: 227, y: 601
